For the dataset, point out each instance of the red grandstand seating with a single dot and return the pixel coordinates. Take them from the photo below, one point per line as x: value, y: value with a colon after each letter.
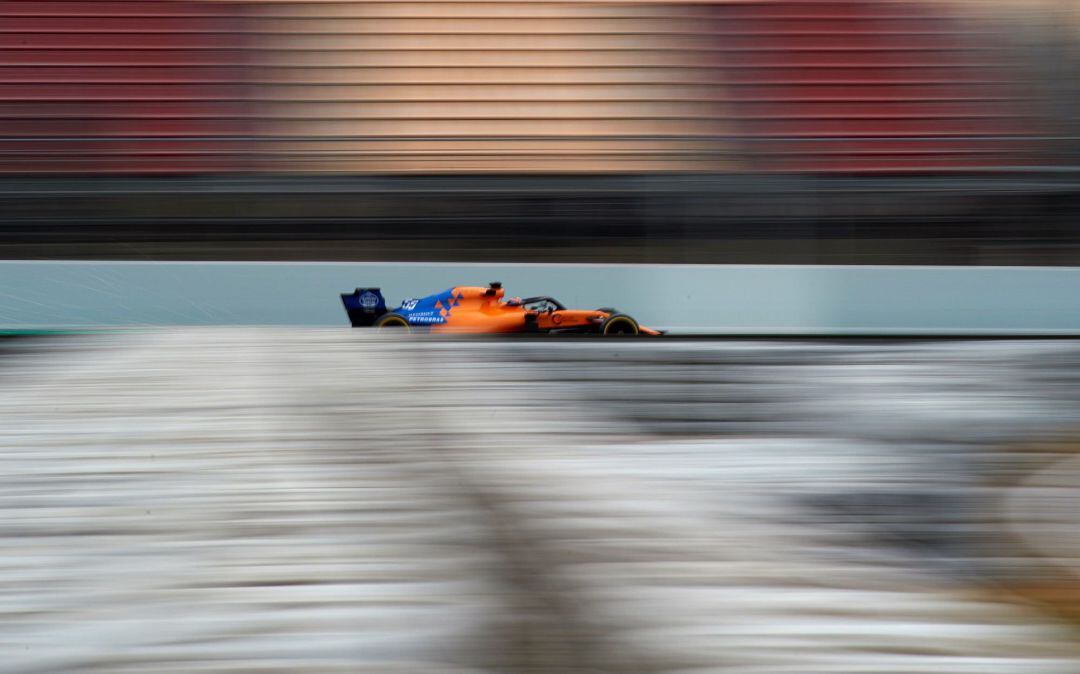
x: 119, y: 87
x: 866, y: 85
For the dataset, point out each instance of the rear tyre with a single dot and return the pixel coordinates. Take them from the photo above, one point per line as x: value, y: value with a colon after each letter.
x: 619, y: 325
x: 387, y: 321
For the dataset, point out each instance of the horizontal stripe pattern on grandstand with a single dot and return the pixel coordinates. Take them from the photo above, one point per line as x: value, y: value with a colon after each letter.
x: 504, y: 86
x: 869, y: 85
x: 122, y: 87
x: 492, y: 86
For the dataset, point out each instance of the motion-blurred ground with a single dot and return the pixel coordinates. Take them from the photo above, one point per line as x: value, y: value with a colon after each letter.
x: 329, y: 501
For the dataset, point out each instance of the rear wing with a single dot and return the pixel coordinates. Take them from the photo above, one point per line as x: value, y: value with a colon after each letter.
x: 364, y: 306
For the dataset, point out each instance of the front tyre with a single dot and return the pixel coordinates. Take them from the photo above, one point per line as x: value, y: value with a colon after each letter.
x: 619, y: 325
x: 387, y: 321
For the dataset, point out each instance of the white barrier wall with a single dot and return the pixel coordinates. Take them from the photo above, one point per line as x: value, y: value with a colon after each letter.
x: 727, y: 299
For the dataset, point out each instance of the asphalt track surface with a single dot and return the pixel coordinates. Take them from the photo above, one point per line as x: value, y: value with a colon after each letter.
x: 241, y: 500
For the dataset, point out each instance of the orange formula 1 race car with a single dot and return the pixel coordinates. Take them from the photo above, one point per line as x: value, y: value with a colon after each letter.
x: 484, y: 310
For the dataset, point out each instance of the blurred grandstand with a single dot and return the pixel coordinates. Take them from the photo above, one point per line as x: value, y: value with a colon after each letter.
x: 757, y: 131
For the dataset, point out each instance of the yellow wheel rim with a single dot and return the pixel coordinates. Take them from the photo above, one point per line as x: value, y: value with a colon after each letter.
x: 394, y: 322
x: 618, y: 322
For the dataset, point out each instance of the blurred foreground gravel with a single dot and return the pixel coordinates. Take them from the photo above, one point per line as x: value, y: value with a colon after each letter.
x: 334, y: 501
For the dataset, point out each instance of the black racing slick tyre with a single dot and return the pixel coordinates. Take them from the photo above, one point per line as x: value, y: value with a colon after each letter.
x: 618, y: 325
x: 387, y: 321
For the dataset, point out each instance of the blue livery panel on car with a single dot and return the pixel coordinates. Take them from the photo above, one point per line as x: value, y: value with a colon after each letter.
x: 430, y: 310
